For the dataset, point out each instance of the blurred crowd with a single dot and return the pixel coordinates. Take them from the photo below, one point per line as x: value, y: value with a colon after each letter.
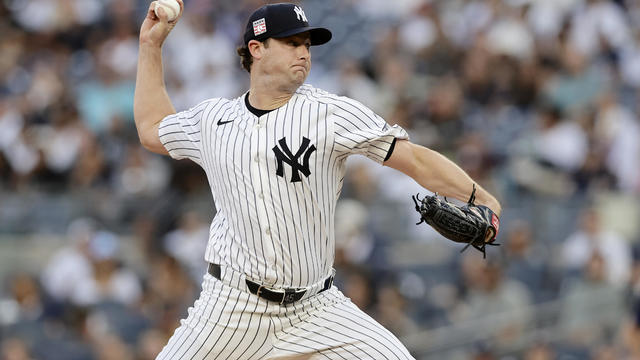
x: 535, y: 99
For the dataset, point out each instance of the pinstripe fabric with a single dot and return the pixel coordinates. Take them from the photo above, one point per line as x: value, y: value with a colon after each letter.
x: 224, y: 323
x: 276, y: 231
x: 227, y: 323
x: 330, y: 326
x: 275, y: 180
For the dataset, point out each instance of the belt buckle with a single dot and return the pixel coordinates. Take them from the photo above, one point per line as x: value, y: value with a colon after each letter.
x: 259, y: 289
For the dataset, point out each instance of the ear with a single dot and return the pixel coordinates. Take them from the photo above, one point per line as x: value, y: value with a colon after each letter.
x: 256, y: 48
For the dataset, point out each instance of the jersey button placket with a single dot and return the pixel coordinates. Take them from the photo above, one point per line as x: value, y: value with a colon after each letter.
x: 258, y: 169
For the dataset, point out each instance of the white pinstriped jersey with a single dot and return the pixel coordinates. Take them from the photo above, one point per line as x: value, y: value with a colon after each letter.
x: 276, y: 178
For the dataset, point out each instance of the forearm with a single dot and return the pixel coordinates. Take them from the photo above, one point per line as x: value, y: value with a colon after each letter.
x: 435, y: 172
x: 151, y: 101
x: 441, y: 175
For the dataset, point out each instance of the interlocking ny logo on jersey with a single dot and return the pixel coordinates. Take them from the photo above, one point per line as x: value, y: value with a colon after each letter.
x: 285, y: 155
x: 300, y: 14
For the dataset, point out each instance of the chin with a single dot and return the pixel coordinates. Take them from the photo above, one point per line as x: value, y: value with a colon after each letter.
x: 299, y: 77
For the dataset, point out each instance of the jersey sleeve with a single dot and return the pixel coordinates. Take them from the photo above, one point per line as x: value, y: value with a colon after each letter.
x: 358, y: 130
x: 180, y: 133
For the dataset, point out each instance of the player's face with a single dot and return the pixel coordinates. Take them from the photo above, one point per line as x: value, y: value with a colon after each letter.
x: 290, y: 58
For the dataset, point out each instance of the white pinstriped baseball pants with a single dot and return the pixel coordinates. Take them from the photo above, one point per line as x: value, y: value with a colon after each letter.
x: 231, y: 324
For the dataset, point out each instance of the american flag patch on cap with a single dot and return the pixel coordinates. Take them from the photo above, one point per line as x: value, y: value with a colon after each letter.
x: 259, y: 27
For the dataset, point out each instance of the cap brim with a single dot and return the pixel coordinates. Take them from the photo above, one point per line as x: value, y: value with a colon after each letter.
x: 319, y: 35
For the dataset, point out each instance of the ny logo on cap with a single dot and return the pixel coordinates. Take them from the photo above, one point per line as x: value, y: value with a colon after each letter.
x: 300, y: 14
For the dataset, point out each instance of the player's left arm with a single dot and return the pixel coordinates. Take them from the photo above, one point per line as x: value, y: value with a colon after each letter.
x: 435, y: 172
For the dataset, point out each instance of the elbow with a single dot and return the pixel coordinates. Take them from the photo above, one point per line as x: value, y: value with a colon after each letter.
x: 145, y: 142
x: 147, y: 128
x: 151, y: 144
x: 150, y: 140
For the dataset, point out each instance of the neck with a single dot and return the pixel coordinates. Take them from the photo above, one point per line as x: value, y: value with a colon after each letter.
x: 264, y: 95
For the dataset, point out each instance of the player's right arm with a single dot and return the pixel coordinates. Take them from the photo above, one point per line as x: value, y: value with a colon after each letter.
x: 151, y: 101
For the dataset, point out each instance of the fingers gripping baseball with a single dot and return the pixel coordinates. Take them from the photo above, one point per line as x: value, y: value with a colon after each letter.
x: 157, y: 26
x: 170, y: 9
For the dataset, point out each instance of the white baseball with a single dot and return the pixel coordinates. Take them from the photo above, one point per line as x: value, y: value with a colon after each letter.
x: 171, y: 8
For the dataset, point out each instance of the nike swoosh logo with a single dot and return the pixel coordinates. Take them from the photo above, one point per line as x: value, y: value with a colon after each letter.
x: 220, y: 122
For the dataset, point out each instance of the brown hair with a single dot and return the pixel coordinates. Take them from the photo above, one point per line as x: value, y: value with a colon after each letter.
x: 246, y: 59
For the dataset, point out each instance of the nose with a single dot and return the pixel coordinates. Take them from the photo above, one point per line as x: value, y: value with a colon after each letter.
x: 303, y: 52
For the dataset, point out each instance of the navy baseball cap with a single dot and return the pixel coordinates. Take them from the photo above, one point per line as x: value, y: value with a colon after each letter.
x: 282, y: 20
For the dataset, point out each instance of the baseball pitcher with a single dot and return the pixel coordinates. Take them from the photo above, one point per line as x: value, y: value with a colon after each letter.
x: 275, y: 161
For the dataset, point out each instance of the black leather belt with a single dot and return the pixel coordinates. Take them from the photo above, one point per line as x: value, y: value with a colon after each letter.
x: 286, y: 296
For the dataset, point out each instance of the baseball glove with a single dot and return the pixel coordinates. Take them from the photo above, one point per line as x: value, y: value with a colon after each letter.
x: 475, y: 225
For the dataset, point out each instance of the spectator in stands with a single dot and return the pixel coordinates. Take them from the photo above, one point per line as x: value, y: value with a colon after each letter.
x: 527, y: 262
x: 591, y: 237
x: 89, y: 270
x: 590, y: 306
x: 493, y: 296
x: 188, y: 242
x: 392, y: 310
x: 150, y: 344
x: 14, y: 349
x: 540, y: 351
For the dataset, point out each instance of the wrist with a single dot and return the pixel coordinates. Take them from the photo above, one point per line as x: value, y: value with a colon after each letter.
x: 494, y: 205
x: 484, y: 198
x: 490, y: 202
x: 149, y: 45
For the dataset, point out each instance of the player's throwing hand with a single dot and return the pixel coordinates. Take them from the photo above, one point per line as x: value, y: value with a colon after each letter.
x: 156, y: 28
